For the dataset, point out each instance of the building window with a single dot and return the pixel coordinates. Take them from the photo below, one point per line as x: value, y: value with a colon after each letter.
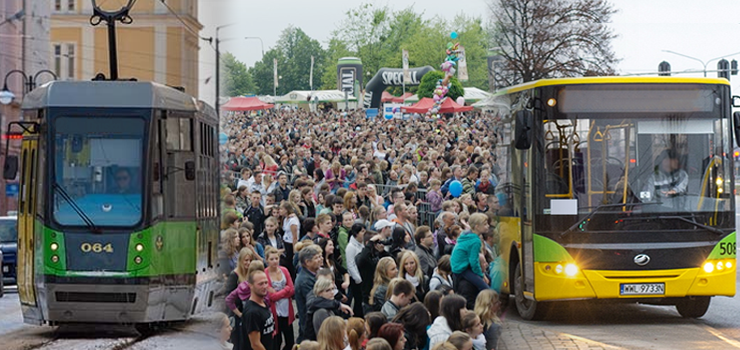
x: 64, y: 5
x: 57, y: 5
x: 70, y: 5
x: 64, y: 60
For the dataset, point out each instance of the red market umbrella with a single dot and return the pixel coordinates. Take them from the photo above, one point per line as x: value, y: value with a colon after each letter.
x: 402, y: 98
x: 386, y: 97
x: 246, y: 104
x: 426, y: 103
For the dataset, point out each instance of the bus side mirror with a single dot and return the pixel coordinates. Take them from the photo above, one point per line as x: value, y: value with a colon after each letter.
x: 190, y: 170
x: 736, y: 122
x: 523, y: 129
x: 10, y: 168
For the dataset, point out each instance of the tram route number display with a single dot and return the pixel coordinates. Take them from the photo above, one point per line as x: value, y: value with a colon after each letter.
x: 642, y: 289
x: 96, y: 248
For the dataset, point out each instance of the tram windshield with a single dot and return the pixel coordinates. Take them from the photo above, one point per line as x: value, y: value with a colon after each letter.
x: 98, y: 171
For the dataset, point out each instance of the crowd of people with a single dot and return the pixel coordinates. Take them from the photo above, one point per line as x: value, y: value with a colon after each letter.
x: 325, y: 223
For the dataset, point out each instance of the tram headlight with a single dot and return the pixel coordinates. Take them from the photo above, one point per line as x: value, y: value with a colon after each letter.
x: 571, y: 269
x: 139, y: 247
x: 708, y: 267
x: 137, y: 260
x: 54, y: 258
x: 54, y: 246
x: 552, y: 102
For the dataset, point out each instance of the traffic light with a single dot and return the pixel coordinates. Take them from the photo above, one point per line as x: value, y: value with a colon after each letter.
x: 733, y: 67
x: 723, y: 69
x: 664, y: 69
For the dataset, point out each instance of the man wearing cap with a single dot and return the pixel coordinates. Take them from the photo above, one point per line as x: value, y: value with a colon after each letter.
x: 384, y: 228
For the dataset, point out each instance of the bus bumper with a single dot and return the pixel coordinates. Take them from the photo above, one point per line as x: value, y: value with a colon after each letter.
x: 606, y: 284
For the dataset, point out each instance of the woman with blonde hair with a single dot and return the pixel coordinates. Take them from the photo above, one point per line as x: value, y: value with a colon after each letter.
x: 294, y: 198
x: 356, y: 333
x: 461, y: 340
x: 281, y: 291
x: 411, y: 271
x: 229, y: 252
x: 384, y: 272
x: 327, y: 337
x: 379, y: 344
x: 487, y: 306
x: 335, y: 176
x: 269, y: 166
x: 242, y: 292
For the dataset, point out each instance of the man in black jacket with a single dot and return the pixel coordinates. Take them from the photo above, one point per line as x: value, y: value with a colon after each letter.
x: 255, y: 214
x: 368, y: 258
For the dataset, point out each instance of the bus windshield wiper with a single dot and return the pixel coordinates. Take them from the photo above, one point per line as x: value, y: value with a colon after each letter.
x: 75, y: 207
x: 708, y: 228
x: 599, y: 208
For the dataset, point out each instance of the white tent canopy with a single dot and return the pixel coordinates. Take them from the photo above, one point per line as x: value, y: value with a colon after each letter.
x: 302, y: 96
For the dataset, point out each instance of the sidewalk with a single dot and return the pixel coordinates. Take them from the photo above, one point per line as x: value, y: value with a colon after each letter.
x: 521, y: 336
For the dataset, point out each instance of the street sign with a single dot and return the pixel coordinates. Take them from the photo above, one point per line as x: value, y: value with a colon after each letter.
x: 11, y: 189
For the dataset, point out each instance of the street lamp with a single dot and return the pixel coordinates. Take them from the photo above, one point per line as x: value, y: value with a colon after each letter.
x: 700, y: 61
x: 218, y: 64
x: 261, y: 43
x: 6, y: 96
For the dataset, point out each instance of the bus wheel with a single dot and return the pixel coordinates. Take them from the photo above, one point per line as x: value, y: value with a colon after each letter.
x: 693, y: 307
x: 528, y: 309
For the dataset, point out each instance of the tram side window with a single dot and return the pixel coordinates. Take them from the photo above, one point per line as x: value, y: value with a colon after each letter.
x: 179, y: 134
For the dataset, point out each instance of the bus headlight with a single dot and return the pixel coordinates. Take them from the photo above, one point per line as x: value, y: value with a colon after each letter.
x: 559, y: 269
x: 708, y: 267
x: 571, y: 270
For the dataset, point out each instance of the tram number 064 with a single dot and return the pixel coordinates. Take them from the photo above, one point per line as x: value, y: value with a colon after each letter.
x: 729, y: 248
x: 96, y: 247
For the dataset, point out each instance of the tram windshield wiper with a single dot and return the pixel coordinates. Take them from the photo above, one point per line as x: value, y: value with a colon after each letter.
x: 62, y: 193
x: 599, y: 208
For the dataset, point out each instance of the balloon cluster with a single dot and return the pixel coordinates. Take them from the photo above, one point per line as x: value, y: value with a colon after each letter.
x: 448, y: 67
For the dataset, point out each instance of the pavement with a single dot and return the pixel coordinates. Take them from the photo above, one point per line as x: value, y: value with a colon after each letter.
x: 516, y: 335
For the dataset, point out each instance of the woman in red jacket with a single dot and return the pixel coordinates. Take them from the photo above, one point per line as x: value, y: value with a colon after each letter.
x: 280, y: 291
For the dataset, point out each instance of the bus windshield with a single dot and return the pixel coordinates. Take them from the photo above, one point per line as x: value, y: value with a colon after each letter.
x: 653, y: 166
x: 97, y: 171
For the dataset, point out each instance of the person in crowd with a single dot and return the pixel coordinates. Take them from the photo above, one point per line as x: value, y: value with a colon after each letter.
x: 468, y: 183
x: 394, y: 334
x: 425, y: 250
x: 434, y: 195
x: 356, y: 333
x: 448, y: 220
x: 464, y: 260
x: 451, y: 239
x: 229, y: 219
x: 367, y: 261
x: 222, y: 328
x: 343, y: 235
x: 402, y: 220
x: 448, y: 321
x: 280, y: 291
x: 457, y: 174
x: 378, y: 344
x: 403, y: 292
x: 308, y: 203
x: 331, y: 262
x: 332, y: 334
x: 237, y: 277
x: 432, y: 302
x: 246, y: 236
x: 335, y: 177
x: 411, y: 271
x: 307, y: 345
x: 241, y: 197
x: 257, y: 185
x: 321, y: 201
x: 309, y: 231
x: 415, y: 320
x: 399, y: 241
x: 461, y: 340
x: 487, y: 307
x: 258, y: 322
x: 357, y: 235
x: 442, y: 274
x: 295, y: 200
x: 473, y: 326
x: 374, y: 321
x: 325, y: 225
x: 255, y: 212
x: 229, y: 252
x: 384, y: 272
x: 271, y: 238
x: 350, y: 204
x: 310, y: 259
x: 322, y: 306
x: 282, y: 189
x: 378, y: 213
x: 291, y: 230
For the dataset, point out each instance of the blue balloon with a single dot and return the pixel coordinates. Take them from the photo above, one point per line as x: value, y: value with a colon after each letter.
x: 222, y: 138
x: 453, y: 35
x: 455, y: 188
x: 388, y: 116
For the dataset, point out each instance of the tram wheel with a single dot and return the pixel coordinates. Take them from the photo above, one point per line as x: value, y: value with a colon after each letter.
x: 693, y: 307
x: 528, y: 309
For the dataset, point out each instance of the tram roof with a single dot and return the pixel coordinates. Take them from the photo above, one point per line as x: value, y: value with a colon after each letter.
x: 611, y: 80
x: 109, y: 94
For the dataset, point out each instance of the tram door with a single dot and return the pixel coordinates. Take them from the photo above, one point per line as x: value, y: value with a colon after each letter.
x: 26, y: 214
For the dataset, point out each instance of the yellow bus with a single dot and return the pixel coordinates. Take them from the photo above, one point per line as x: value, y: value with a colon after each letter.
x: 617, y: 188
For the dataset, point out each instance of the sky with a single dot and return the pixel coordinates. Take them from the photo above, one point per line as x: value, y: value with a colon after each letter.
x: 704, y: 29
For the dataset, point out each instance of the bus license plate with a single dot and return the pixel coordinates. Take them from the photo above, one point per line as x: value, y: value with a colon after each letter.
x: 642, y: 289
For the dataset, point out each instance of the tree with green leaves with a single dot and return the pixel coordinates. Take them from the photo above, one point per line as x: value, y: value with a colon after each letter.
x: 235, y: 80
x: 430, y: 80
x: 293, y: 53
x: 549, y: 39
